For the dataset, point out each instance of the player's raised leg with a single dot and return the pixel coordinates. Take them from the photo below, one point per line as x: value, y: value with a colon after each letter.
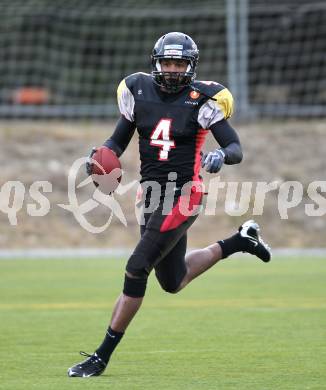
x: 247, y: 239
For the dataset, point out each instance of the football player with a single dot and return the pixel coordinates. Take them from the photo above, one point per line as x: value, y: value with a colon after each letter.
x: 172, y: 113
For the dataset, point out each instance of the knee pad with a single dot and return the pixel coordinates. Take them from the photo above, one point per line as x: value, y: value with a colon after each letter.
x: 134, y: 287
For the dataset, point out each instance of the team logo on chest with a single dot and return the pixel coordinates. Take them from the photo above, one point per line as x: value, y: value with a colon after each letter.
x: 194, y: 95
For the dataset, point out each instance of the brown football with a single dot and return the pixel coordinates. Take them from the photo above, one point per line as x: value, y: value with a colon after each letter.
x: 106, y: 169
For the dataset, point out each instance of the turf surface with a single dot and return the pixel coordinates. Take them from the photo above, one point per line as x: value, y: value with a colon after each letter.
x: 241, y: 325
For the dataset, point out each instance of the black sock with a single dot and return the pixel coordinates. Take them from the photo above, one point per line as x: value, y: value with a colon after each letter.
x: 232, y: 245
x: 111, y: 340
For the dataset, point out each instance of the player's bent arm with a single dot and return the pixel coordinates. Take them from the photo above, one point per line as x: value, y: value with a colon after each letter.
x: 121, y: 136
x: 229, y: 141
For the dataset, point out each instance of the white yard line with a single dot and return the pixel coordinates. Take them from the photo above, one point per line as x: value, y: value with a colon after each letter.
x: 122, y: 253
x: 47, y: 253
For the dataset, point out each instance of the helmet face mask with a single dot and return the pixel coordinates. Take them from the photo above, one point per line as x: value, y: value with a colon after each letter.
x: 177, y: 46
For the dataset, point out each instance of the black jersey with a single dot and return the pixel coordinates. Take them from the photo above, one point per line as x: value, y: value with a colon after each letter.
x: 172, y: 127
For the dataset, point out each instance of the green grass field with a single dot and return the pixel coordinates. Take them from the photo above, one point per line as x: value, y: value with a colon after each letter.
x: 242, y: 325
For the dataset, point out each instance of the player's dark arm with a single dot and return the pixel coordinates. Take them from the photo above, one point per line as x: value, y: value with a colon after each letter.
x: 121, y: 136
x: 230, y: 151
x: 229, y: 141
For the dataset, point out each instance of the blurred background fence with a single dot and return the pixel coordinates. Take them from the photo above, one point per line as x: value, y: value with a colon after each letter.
x: 65, y: 58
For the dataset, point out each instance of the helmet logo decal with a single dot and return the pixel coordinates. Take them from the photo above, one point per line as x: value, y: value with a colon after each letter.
x: 173, y: 52
x: 194, y: 94
x: 175, y: 47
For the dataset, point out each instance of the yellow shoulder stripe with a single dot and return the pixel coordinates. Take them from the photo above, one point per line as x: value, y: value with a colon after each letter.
x: 224, y: 100
x: 122, y: 86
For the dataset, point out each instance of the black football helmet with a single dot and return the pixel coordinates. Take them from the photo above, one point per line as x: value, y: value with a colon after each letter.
x: 174, y: 45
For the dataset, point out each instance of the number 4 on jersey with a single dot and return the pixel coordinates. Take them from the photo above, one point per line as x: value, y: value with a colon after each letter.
x: 161, y: 138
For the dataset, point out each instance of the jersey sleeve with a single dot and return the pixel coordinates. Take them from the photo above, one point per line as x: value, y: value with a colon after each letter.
x: 126, y: 101
x: 215, y: 110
